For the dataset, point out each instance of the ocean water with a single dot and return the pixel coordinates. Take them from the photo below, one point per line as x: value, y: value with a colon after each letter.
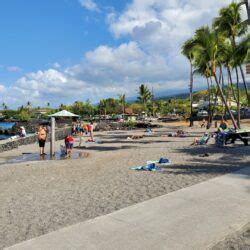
x: 6, y: 125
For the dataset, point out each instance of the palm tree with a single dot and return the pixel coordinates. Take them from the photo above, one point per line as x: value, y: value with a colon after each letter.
x: 5, y: 107
x: 229, y: 23
x: 103, y: 105
x: 144, y: 95
x: 242, y: 55
x: 122, y: 100
x: 48, y: 104
x: 188, y: 50
x: 28, y: 105
x: 208, y: 45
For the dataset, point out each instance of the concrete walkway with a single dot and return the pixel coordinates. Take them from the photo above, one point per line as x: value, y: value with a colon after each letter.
x: 191, y: 218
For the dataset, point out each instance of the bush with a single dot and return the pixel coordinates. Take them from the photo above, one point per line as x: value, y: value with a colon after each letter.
x: 130, y: 124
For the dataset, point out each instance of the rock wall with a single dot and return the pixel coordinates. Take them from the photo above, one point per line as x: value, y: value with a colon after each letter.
x: 60, y: 134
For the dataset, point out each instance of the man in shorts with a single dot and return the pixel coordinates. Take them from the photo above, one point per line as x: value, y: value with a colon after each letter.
x: 42, y: 136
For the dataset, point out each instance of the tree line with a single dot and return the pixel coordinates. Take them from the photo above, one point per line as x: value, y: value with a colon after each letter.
x: 218, y: 53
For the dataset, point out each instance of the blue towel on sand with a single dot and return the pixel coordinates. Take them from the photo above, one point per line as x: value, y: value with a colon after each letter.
x: 148, y: 167
x: 164, y: 160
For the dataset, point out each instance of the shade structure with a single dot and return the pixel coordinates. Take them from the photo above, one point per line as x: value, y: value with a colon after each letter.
x: 64, y: 113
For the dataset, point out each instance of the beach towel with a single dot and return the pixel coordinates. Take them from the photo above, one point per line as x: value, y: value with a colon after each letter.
x: 161, y: 162
x: 148, y: 167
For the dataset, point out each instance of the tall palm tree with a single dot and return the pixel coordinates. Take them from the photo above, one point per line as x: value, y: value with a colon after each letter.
x: 229, y: 23
x: 188, y: 50
x: 122, y: 101
x: 208, y: 46
x: 241, y: 56
x: 144, y: 95
x: 5, y: 107
x: 103, y: 105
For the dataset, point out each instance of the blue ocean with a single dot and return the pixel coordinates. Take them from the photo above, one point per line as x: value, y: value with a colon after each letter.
x: 6, y: 125
x: 3, y: 126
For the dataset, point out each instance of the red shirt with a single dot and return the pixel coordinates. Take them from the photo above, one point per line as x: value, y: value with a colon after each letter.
x: 69, y: 139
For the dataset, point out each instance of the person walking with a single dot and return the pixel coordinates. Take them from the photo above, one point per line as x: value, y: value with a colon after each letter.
x: 42, y: 137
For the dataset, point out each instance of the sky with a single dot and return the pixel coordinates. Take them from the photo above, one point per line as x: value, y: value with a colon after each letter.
x: 61, y: 51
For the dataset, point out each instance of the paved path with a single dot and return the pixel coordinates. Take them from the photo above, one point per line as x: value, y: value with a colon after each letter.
x: 191, y: 218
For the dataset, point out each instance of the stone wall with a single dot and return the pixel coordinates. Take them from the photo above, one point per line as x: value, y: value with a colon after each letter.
x: 60, y: 134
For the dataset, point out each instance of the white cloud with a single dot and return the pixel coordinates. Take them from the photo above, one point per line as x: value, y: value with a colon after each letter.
x: 56, y: 65
x: 2, y: 88
x: 89, y: 5
x: 155, y: 30
x: 13, y: 68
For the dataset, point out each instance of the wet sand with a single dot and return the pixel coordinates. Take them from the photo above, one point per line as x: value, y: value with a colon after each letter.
x: 37, y: 197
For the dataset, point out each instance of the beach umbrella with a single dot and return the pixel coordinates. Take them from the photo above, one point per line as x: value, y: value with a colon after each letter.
x: 64, y: 113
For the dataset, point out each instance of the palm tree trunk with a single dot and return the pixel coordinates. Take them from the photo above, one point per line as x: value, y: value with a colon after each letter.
x: 223, y: 89
x: 191, y: 96
x: 209, y: 122
x: 245, y: 85
x: 231, y: 82
x: 238, y: 97
x: 224, y: 100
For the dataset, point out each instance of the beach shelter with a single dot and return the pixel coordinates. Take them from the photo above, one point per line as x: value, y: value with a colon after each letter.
x: 63, y: 113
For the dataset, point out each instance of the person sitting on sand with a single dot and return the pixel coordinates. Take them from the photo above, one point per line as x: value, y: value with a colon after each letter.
x: 180, y: 133
x: 223, y: 124
x: 42, y: 136
x: 69, y: 143
x: 135, y: 137
x: 22, y: 132
x: 202, y: 141
x: 203, y: 123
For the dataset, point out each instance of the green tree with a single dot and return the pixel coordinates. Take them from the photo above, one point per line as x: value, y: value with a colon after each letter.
x: 209, y: 47
x: 144, y: 95
x: 229, y: 23
x: 188, y: 50
x: 122, y: 101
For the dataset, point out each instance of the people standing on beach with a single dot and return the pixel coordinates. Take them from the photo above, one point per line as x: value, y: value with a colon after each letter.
x: 69, y: 143
x: 42, y: 137
x: 91, y: 131
x: 22, y: 132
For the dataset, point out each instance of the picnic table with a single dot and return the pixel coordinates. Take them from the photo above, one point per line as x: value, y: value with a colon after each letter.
x: 241, y: 134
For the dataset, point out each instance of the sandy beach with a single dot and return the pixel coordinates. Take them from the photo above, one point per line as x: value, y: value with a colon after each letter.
x: 38, y: 197
x: 238, y: 240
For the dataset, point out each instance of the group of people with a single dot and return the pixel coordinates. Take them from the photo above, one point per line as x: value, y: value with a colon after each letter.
x: 205, y: 138
x: 42, y: 136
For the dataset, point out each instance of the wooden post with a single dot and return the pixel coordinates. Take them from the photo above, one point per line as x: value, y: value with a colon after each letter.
x: 52, y: 138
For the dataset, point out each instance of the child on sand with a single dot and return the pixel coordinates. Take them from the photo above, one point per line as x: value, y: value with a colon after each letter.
x: 69, y: 143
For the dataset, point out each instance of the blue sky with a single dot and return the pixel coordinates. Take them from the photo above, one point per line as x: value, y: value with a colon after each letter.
x: 60, y: 51
x: 36, y: 34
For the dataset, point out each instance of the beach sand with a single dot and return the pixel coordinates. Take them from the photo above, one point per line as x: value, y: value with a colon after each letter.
x: 238, y: 240
x: 42, y: 196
